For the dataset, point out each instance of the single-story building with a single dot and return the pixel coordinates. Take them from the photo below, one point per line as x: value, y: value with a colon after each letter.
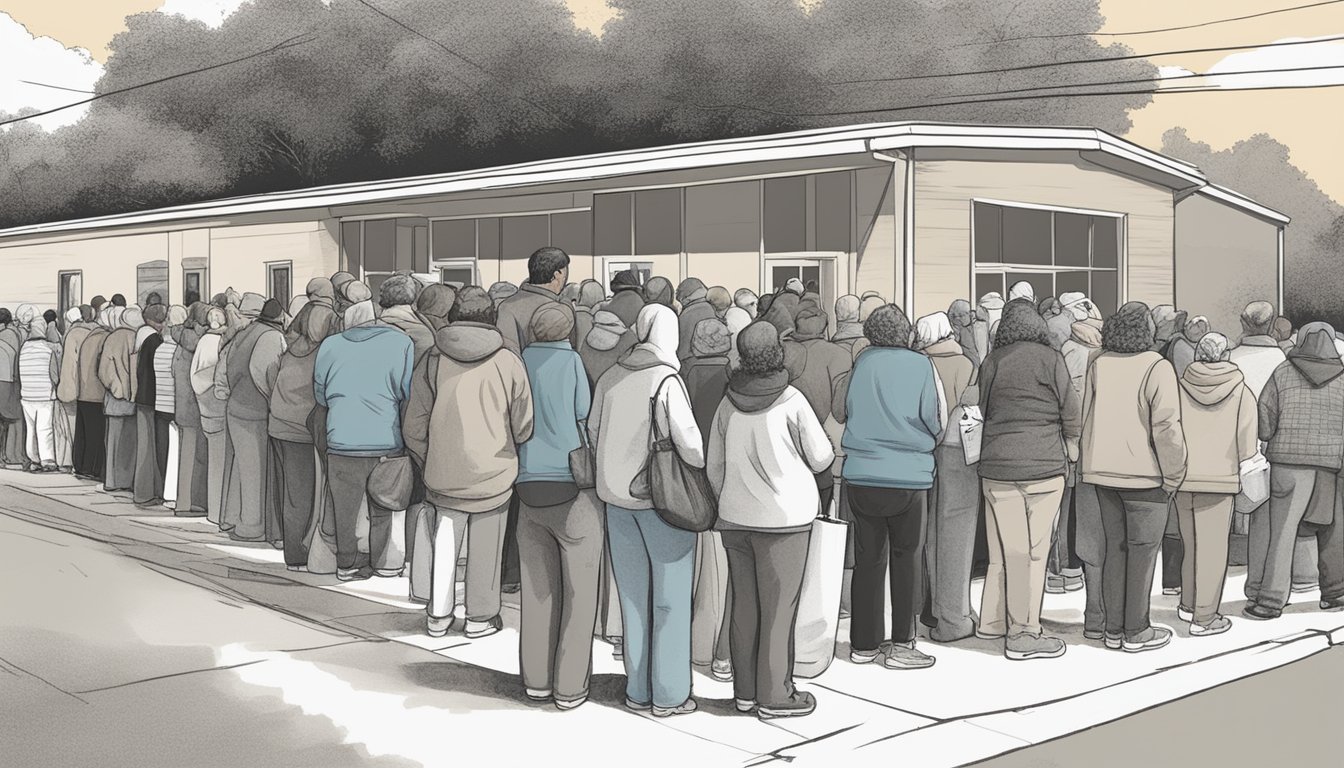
x: 923, y: 213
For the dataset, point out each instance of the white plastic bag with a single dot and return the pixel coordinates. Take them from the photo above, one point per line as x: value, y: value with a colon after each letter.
x: 1254, y: 484
x: 819, y: 602
x: 972, y: 427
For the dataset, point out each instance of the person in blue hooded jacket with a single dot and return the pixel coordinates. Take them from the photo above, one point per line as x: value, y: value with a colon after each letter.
x: 894, y: 415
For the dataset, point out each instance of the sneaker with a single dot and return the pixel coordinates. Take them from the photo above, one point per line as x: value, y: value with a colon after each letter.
x: 387, y: 573
x: 1171, y: 591
x: 745, y: 706
x: 1054, y: 585
x: 686, y: 708
x: 987, y: 636
x: 478, y: 629
x: 351, y: 574
x: 721, y: 670
x: 511, y: 589
x: 1184, y: 614
x: 1149, y: 639
x: 1114, y: 641
x: 1094, y: 634
x: 636, y: 706
x: 862, y: 657
x: 438, y: 627
x: 564, y: 705
x: 297, y: 568
x: 1218, y: 626
x: 1261, y: 613
x: 1025, y: 647
x: 1333, y: 604
x: 538, y: 694
x: 801, y: 705
x: 1073, y: 583
x: 905, y: 656
x: 1303, y: 586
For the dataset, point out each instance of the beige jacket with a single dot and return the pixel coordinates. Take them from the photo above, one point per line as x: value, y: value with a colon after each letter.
x: 1132, y: 436
x: 1219, y: 416
x: 116, y: 367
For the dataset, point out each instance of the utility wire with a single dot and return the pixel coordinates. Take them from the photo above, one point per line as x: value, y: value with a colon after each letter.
x: 1102, y: 83
x: 56, y: 87
x: 292, y: 42
x: 1210, y: 23
x: 1101, y: 60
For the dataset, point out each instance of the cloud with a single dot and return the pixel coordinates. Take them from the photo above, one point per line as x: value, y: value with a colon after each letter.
x: 1271, y: 66
x: 26, y: 59
x: 212, y: 13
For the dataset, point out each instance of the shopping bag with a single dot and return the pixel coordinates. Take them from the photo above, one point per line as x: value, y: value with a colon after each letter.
x: 582, y: 461
x: 709, y: 596
x: 681, y: 493
x: 819, y: 602
x: 1254, y: 484
x: 972, y: 427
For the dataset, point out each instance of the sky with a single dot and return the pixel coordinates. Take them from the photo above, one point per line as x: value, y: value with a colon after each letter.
x: 62, y: 42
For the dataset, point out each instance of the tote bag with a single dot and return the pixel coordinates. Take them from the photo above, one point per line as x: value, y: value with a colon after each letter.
x: 1254, y: 484
x: 818, y: 619
x: 680, y: 493
x: 972, y: 426
x: 582, y: 462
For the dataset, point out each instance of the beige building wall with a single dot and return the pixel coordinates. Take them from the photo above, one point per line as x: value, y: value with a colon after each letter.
x: 944, y: 189
x: 239, y: 255
x: 108, y: 266
x: 1225, y: 259
x: 879, y: 224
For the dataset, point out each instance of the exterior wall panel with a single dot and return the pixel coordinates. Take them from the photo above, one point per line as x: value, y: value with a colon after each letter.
x: 1225, y: 259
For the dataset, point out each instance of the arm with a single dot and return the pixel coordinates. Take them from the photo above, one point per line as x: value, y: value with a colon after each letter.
x: 321, y: 369
x: 203, y: 364
x: 415, y: 422
x: 595, y: 413
x: 1071, y: 409
x: 1269, y: 410
x: 520, y: 400
x: 107, y: 368
x: 681, y: 422
x: 942, y: 399
x: 222, y: 372
x: 1164, y: 402
x: 840, y: 396
x: 265, y: 362
x: 987, y: 371
x: 508, y: 328
x: 1247, y: 445
x: 813, y: 444
x: 716, y: 465
x: 583, y: 395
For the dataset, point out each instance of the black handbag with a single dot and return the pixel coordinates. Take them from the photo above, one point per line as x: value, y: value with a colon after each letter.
x: 391, y: 483
x: 681, y: 494
x: 583, y: 462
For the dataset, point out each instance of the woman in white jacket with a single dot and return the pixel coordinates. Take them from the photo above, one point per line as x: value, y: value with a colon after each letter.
x: 654, y: 563
x: 203, y: 365
x: 767, y: 501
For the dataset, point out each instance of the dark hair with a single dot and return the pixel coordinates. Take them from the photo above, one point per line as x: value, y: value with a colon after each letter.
x: 6, y: 317
x: 759, y: 350
x: 1129, y: 330
x: 472, y: 305
x: 198, y: 314
x: 50, y: 316
x: 888, y: 326
x: 118, y: 300
x: 544, y: 263
x: 97, y: 302
x: 86, y: 313
x: 153, y: 298
x: 1021, y: 321
x: 155, y: 313
x: 398, y: 290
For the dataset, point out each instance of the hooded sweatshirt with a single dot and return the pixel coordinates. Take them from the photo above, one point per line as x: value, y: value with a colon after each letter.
x: 1132, y: 437
x: 816, y: 364
x: 1078, y: 351
x: 695, y: 307
x: 1302, y: 405
x: 1218, y: 413
x: 776, y: 444
x: 561, y: 398
x: 607, y: 342
x: 363, y: 377
x: 618, y: 424
x: 185, y: 410
x: 291, y: 399
x: 471, y: 406
x: 1257, y: 357
x: 115, y: 369
x: 893, y: 420
x: 626, y: 304
x: 67, y: 387
x: 204, y: 366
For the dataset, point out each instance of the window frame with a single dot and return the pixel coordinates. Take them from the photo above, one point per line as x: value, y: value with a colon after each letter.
x: 271, y: 267
x: 61, y: 305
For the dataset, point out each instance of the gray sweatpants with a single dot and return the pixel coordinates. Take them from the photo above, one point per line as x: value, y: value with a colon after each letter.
x: 485, y: 552
x: 1270, y: 555
x: 766, y: 573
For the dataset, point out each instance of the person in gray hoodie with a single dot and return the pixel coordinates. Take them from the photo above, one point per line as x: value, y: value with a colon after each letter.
x: 192, y: 461
x: 627, y: 297
x: 607, y: 341
x: 695, y: 307
x: 814, y: 364
x: 590, y: 296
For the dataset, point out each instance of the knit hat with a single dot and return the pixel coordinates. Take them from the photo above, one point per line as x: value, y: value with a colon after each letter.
x: 272, y: 310
x: 25, y: 314
x: 591, y: 293
x: 868, y: 305
x: 155, y: 313
x: 339, y: 280
x: 320, y: 288
x: 691, y: 289
x: 711, y: 337
x: 551, y: 323
x: 847, y: 309
x: 1022, y: 290
x: 356, y: 292
x: 434, y: 304
x: 810, y: 323
x: 1211, y: 348
x: 624, y: 280
x: 931, y: 329
x: 251, y: 304
x: 97, y: 302
x: 606, y: 332
x: 177, y: 315
x: 794, y: 285
x: 73, y: 315
x: 1196, y: 328
x: 659, y: 291
x: 991, y: 301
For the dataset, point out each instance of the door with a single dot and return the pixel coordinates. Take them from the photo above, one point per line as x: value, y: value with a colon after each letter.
x: 457, y: 275
x: 278, y: 282
x: 193, y: 284
x: 817, y: 273
x: 70, y: 292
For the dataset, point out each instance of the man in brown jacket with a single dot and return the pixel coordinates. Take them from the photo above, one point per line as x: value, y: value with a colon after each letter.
x: 116, y: 371
x: 470, y: 407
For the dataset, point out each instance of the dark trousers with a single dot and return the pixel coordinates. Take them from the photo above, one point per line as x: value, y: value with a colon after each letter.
x: 348, y: 482
x: 119, y: 457
x: 889, y: 533
x: 192, y: 472
x: 293, y: 480
x: 511, y: 573
x: 766, y: 573
x: 90, y: 439
x: 15, y: 442
x: 151, y: 454
x: 1134, y: 522
x: 1173, y: 553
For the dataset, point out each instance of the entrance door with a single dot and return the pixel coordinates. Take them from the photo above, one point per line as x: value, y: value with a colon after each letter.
x: 70, y: 292
x: 193, y: 283
x: 816, y: 273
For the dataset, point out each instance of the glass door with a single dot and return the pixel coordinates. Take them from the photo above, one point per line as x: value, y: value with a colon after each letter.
x: 817, y: 273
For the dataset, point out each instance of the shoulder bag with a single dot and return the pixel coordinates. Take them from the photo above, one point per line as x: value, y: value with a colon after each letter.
x: 681, y: 494
x: 582, y: 461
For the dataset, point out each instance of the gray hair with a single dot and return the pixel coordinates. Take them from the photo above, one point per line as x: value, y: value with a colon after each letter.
x: 398, y: 290
x: 1212, y: 348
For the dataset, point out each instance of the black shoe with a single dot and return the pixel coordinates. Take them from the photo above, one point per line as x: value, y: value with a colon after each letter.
x: 1260, y: 612
x: 511, y: 589
x: 1333, y: 604
x: 802, y: 705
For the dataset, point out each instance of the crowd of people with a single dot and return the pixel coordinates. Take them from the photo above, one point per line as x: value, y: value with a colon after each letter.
x: 431, y: 431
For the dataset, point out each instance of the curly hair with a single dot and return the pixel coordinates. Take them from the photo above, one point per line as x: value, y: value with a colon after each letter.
x: 1129, y: 330
x: 887, y: 326
x: 759, y: 349
x: 472, y: 305
x: 1021, y: 321
x: 397, y: 291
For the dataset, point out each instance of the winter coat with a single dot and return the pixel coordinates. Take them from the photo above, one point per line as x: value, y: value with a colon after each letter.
x: 1257, y: 357
x: 39, y: 368
x: 691, y: 314
x: 292, y: 400
x: 1033, y: 416
x: 404, y: 319
x: 1301, y: 410
x: 1132, y: 436
x: 67, y: 386
x: 561, y: 399
x: 893, y: 417
x: 515, y: 316
x: 602, y: 347
x: 186, y: 412
x: 626, y: 305
x: 146, y: 383
x: 957, y: 372
x: 165, y: 387
x: 204, y: 365
x: 91, y: 389
x: 707, y: 382
x: 114, y: 365
x: 470, y: 408
x: 815, y: 364
x: 1079, y: 350
x: 363, y: 377
x: 583, y: 323
x: 247, y: 367
x: 619, y: 425
x: 1218, y: 414
x: 765, y: 443
x: 1060, y: 327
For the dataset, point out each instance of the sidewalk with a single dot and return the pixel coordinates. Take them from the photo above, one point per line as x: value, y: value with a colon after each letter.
x: 972, y: 705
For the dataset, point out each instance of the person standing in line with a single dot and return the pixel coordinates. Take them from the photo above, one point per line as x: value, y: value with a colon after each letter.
x: 607, y: 341
x: 1032, y: 425
x: 151, y: 430
x: 397, y: 296
x: 1219, y: 416
x: 469, y: 398
x: 591, y: 295
x: 737, y: 320
x: 1089, y: 538
x: 764, y: 440
x: 204, y: 366
x: 813, y: 365
x: 63, y: 413
x: 79, y: 325
x: 1181, y: 353
x: 116, y: 369
x: 193, y: 464
x: 659, y: 291
x: 893, y: 414
x: 1134, y: 452
x: 627, y: 297
x: 746, y: 300
x: 320, y: 292
x: 12, y: 336
x: 1282, y: 332
x: 847, y: 325
x: 501, y: 291
x: 39, y: 369
x: 90, y: 421
x: 362, y: 376
x: 954, y: 500
x: 962, y: 318
x: 654, y: 562
x: 561, y: 529
x: 1301, y: 419
x: 1058, y: 320
x: 720, y: 299
x: 695, y: 306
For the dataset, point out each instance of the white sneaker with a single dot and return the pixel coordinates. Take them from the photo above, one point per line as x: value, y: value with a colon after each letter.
x: 478, y: 629
x: 721, y: 670
x: 905, y: 656
x: 686, y: 708
x: 438, y: 627
x: 351, y: 574
x: 538, y: 694
x: 745, y: 706
x: 387, y: 573
x: 297, y: 568
x: 1185, y: 614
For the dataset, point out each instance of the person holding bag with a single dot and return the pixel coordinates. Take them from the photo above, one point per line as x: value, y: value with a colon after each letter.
x: 653, y: 561
x: 767, y: 503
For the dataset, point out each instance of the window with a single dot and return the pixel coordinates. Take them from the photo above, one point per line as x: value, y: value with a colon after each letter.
x: 352, y: 244
x: 376, y: 249
x: 988, y: 234
x: 70, y: 291
x: 786, y: 215
x: 454, y: 239
x: 1026, y: 236
x: 151, y: 282
x: 643, y: 270
x: 523, y: 235
x: 457, y: 275
x: 724, y: 218
x: 834, y: 211
x: 657, y: 222
x: 613, y: 233
x: 278, y: 283
x: 380, y: 246
x: 573, y: 232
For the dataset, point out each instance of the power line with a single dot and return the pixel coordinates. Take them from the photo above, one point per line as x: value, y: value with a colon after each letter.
x: 1100, y: 60
x: 292, y: 42
x: 55, y: 87
x: 1102, y: 83
x: 1210, y: 23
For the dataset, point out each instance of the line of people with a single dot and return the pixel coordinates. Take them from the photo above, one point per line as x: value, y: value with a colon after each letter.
x: 436, y: 429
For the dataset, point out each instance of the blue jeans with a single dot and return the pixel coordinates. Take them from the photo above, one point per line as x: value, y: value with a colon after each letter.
x: 654, y: 565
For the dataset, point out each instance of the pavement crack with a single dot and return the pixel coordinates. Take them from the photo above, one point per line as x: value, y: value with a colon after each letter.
x: 170, y: 676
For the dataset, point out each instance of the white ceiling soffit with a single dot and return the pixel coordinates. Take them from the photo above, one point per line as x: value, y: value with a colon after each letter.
x: 1238, y: 200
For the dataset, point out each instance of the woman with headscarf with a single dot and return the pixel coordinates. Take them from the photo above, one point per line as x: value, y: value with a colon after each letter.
x: 39, y: 368
x: 293, y: 474
x: 954, y: 500
x: 606, y: 342
x: 736, y: 319
x: 204, y: 365
x: 656, y: 612
x: 1033, y: 421
x: 151, y: 427
x: 116, y: 370
x: 12, y: 336
x: 193, y: 463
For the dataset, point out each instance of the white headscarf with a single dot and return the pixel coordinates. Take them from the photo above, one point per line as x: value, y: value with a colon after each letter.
x: 362, y: 313
x: 656, y: 329
x: 931, y: 329
x: 73, y: 315
x: 1021, y: 290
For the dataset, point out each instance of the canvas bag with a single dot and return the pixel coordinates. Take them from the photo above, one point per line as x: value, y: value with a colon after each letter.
x: 583, y: 462
x: 391, y: 483
x: 818, y: 621
x: 972, y: 426
x: 681, y: 494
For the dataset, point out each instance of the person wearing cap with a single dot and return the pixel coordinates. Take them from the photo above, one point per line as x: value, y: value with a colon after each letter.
x: 39, y: 368
x: 151, y: 427
x: 97, y: 303
x: 746, y: 300
x: 470, y: 408
x: 1220, y: 419
x: 246, y: 370
x: 79, y: 324
x: 627, y: 297
x: 561, y: 529
x: 608, y: 340
x: 90, y: 422
x: 116, y: 370
x: 795, y: 286
x: 118, y: 300
x: 193, y: 465
x: 204, y: 365
x: 695, y: 306
x: 720, y: 299
x: 764, y: 441
x: 813, y: 365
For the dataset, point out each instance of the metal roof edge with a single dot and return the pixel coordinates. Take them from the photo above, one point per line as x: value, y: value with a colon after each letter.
x: 1238, y: 200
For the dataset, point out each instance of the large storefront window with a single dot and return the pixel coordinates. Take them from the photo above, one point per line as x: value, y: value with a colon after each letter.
x: 377, y: 249
x: 1056, y: 251
x: 457, y: 246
